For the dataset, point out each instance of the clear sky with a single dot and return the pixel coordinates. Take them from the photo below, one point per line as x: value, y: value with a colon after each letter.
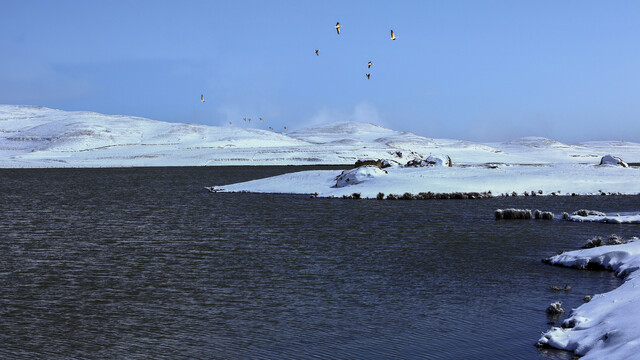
x: 473, y: 70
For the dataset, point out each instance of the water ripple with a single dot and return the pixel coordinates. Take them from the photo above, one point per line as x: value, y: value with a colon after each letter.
x: 141, y: 263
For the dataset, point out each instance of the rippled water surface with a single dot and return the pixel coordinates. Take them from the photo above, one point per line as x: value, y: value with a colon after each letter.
x: 144, y: 263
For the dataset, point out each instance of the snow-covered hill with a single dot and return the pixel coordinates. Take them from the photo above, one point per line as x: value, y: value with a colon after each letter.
x: 33, y: 136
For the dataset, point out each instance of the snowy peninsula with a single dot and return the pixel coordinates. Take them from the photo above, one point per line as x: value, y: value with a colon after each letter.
x: 32, y: 136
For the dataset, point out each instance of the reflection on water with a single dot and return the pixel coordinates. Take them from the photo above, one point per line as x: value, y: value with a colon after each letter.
x: 144, y: 263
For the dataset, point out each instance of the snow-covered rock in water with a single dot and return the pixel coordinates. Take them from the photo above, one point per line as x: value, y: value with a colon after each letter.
x: 587, y: 212
x: 611, y: 219
x: 544, y: 215
x: 555, y: 308
x: 585, y: 215
x: 358, y: 175
x: 598, y: 241
x: 612, y: 160
x: 512, y: 214
x: 432, y: 160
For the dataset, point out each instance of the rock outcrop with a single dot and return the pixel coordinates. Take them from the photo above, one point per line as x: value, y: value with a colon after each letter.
x: 380, y: 163
x: 432, y: 160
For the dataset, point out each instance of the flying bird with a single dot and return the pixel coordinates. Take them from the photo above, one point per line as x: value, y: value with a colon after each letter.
x: 261, y: 120
x: 338, y: 27
x: 270, y: 128
x: 249, y: 119
x: 393, y: 36
x: 230, y: 123
x: 369, y: 64
x: 285, y: 128
x: 202, y: 98
x: 317, y: 52
x: 244, y: 119
x: 368, y: 75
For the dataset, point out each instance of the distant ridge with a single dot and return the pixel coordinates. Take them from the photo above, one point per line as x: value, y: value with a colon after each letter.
x: 537, y: 142
x: 36, y: 136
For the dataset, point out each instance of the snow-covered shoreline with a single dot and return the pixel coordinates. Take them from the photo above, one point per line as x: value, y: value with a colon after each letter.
x: 608, y: 326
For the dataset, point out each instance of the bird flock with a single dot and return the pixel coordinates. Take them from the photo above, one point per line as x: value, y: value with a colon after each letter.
x: 317, y: 52
x: 370, y: 63
x: 245, y: 119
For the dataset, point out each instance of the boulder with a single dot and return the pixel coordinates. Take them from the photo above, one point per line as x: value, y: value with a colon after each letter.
x: 358, y: 175
x: 612, y: 160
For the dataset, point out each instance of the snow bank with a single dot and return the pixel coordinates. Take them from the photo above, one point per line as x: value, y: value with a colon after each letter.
x: 608, y: 326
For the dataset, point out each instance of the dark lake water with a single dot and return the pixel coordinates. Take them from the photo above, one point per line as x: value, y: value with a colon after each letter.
x: 144, y: 263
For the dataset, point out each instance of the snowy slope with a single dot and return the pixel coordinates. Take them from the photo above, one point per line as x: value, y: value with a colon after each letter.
x: 37, y: 136
x: 32, y: 136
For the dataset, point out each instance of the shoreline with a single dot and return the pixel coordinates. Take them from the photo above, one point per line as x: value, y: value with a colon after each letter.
x: 333, y: 166
x: 457, y: 182
x: 607, y: 325
x: 419, y: 196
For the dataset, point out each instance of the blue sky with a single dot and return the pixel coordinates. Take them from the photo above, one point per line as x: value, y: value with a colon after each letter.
x: 474, y: 70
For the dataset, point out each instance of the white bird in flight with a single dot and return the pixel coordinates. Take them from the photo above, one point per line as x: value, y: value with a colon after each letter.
x: 338, y: 27
x: 393, y: 36
x: 202, y: 98
x: 369, y: 64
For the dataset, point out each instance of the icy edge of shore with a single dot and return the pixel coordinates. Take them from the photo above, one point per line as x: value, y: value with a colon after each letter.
x: 609, y: 325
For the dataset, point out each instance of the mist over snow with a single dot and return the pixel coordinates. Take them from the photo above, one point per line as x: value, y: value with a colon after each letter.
x: 363, y: 112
